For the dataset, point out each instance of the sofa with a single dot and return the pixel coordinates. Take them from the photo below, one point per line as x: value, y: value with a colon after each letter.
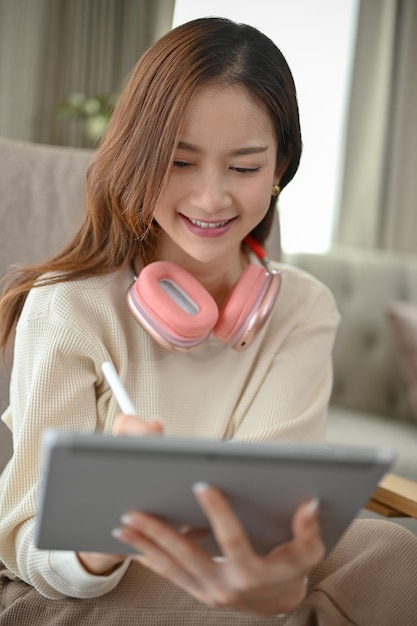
x: 41, y: 199
x: 41, y: 191
x: 373, y: 400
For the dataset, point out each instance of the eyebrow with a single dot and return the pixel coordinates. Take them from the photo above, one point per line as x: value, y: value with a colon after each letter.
x: 237, y: 152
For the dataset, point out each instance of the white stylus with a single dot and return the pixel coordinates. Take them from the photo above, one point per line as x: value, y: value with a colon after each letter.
x: 120, y: 393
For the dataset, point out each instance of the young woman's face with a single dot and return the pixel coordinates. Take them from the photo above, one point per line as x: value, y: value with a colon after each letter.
x: 221, y: 179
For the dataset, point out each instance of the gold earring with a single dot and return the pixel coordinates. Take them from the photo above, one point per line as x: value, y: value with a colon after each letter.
x: 276, y: 190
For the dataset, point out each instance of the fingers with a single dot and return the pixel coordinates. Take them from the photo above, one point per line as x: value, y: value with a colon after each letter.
x: 243, y: 580
x: 166, y: 552
x: 151, y: 534
x: 193, y: 533
x: 227, y: 529
x: 308, y: 544
x: 132, y: 425
x: 153, y: 556
x: 169, y: 552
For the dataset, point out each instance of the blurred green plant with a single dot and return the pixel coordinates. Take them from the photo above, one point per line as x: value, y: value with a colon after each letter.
x: 93, y: 112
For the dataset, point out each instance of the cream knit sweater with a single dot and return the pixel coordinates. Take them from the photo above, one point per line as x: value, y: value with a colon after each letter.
x: 277, y: 389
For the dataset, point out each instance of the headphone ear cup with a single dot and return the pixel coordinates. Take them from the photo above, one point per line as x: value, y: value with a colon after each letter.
x: 172, y: 306
x: 244, y: 306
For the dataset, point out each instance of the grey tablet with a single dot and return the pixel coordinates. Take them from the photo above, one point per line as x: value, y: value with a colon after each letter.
x: 89, y: 481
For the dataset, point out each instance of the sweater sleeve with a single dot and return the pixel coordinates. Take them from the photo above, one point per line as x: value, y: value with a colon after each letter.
x: 291, y: 398
x: 54, y: 385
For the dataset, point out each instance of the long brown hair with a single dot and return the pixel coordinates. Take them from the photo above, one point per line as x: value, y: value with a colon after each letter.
x: 130, y: 169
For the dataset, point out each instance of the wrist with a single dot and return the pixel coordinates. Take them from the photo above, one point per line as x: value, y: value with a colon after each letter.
x: 98, y: 564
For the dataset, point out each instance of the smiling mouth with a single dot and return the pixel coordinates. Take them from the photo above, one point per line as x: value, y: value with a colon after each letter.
x: 208, y: 225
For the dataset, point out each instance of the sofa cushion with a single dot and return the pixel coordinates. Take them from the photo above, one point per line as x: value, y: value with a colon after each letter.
x: 402, y: 319
x: 42, y: 198
x: 358, y: 428
x: 367, y: 376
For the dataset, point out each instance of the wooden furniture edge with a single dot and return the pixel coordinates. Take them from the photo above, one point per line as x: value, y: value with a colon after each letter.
x: 395, y: 496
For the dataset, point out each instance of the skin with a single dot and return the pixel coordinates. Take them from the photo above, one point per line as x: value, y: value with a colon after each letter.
x: 218, y: 176
x: 222, y: 180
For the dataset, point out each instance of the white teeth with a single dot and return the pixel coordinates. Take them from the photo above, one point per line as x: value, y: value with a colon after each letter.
x: 208, y: 224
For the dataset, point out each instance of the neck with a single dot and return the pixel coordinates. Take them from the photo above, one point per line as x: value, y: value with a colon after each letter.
x: 218, y: 281
x: 217, y: 276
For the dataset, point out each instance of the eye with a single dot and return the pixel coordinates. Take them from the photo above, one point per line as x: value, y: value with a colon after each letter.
x: 246, y: 170
x: 181, y: 164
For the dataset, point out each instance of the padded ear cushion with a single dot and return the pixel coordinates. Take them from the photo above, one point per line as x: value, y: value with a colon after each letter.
x: 174, y: 303
x: 241, y: 303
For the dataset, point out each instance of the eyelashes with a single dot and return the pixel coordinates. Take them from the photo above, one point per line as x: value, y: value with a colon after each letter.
x: 246, y: 170
x: 239, y: 170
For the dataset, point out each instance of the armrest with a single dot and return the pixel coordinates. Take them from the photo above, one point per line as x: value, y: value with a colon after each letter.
x: 394, y: 497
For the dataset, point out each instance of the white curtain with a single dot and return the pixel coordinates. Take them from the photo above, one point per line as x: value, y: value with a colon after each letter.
x: 378, y: 205
x: 51, y: 48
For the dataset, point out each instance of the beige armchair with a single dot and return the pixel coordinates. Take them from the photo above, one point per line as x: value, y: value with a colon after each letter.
x: 41, y: 201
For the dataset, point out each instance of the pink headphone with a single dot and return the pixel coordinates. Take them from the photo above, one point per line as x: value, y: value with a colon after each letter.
x: 180, y: 314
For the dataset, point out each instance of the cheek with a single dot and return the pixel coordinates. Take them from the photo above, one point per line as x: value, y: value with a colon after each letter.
x: 165, y: 205
x: 257, y: 198
x: 173, y: 193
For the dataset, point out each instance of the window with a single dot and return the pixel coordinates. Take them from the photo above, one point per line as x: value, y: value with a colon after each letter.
x: 317, y: 40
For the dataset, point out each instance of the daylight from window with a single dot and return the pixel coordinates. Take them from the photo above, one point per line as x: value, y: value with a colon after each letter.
x: 317, y: 40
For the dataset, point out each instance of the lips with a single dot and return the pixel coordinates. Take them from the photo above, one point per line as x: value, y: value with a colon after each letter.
x: 203, y: 228
x: 207, y: 224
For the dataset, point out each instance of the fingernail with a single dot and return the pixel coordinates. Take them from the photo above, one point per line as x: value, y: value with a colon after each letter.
x: 312, y: 507
x: 126, y: 519
x: 200, y: 486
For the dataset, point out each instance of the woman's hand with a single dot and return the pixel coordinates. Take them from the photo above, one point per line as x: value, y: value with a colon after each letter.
x: 242, y: 580
x: 104, y: 564
x: 132, y: 425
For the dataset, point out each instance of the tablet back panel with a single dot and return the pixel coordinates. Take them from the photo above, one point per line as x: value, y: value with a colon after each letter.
x: 90, y: 481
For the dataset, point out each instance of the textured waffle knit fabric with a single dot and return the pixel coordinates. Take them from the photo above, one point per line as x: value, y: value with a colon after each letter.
x: 276, y: 390
x: 368, y: 579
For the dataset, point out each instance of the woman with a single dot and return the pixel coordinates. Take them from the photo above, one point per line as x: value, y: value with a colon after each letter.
x: 203, y: 138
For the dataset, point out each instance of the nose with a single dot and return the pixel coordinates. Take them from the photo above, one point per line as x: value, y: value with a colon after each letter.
x: 211, y: 193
